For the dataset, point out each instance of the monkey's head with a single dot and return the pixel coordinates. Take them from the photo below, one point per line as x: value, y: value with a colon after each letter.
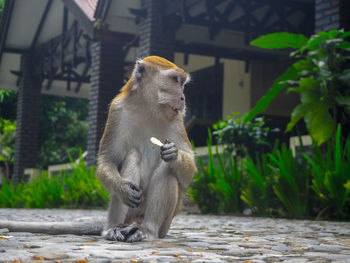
x: 160, y: 84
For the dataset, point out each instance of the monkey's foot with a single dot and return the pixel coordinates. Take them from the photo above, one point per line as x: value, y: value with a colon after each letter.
x: 124, y: 233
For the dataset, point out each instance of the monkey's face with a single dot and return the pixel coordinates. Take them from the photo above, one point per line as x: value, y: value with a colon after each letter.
x: 161, y: 88
x: 170, y: 92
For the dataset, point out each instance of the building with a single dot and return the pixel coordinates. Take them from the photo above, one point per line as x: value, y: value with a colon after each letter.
x: 86, y: 48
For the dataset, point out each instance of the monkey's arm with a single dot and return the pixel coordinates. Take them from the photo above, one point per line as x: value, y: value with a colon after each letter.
x: 107, y: 167
x: 110, y: 178
x: 184, y: 167
x: 181, y: 161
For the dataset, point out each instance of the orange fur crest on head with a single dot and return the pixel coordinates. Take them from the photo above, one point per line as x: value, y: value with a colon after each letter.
x: 163, y: 63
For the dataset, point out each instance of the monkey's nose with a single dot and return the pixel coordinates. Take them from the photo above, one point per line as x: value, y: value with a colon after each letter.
x: 182, y: 97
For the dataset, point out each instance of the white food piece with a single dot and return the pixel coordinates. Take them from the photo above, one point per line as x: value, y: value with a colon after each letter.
x: 5, y: 237
x: 157, y: 142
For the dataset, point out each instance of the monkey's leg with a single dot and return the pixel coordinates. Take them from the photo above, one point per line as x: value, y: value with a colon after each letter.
x: 162, y: 198
x: 116, y: 229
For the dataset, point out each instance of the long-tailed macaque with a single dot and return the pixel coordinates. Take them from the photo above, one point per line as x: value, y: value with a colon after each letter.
x: 145, y: 182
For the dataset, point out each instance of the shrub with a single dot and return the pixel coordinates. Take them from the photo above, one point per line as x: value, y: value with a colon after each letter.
x: 277, y: 183
x: 78, y: 188
x: 257, y: 191
x: 241, y: 138
x: 330, y: 170
x: 291, y: 181
x: 216, y: 185
x: 7, y: 144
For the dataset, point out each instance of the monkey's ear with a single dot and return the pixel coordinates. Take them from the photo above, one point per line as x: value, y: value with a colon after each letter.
x: 139, y: 70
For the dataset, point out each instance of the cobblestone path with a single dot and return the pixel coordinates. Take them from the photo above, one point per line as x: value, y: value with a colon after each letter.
x: 192, y: 238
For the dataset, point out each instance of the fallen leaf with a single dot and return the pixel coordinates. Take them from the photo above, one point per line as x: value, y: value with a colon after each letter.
x: 155, y: 252
x: 346, y: 243
x: 246, y: 239
x: 83, y: 245
x: 16, y: 261
x: 44, y: 238
x: 81, y: 261
x: 176, y: 255
x: 134, y: 261
x: 248, y: 261
x: 39, y: 258
x: 19, y: 247
x: 90, y: 241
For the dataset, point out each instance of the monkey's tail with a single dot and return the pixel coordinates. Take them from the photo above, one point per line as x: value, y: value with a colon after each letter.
x: 54, y: 228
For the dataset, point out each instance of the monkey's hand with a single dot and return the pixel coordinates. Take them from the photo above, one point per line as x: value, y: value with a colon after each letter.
x: 130, y: 194
x: 168, y: 152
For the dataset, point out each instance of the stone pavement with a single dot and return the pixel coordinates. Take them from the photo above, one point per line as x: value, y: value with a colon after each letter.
x: 192, y: 238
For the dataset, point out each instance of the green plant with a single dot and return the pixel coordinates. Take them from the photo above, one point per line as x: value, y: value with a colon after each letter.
x: 10, y: 195
x: 257, y: 191
x: 77, y: 188
x: 321, y: 76
x: 215, y: 187
x: 63, y: 128
x: 241, y: 138
x: 7, y: 143
x: 331, y: 175
x: 291, y: 181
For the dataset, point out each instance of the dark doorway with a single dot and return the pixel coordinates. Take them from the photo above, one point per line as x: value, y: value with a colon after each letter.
x: 204, y: 102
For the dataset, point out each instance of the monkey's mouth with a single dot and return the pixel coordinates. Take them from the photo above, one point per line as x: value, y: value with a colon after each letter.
x: 174, y: 109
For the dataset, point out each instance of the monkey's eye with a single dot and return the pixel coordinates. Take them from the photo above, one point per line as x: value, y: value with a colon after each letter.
x: 175, y: 79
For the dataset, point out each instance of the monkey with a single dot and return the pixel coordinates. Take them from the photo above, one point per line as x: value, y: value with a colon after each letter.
x: 145, y: 183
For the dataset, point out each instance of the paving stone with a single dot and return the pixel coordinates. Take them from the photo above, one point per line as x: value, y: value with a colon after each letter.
x: 15, y: 256
x: 195, y: 244
x: 324, y: 248
x: 295, y: 260
x: 100, y: 260
x: 4, y: 231
x: 6, y: 243
x: 219, y: 247
x: 50, y: 254
x: 208, y: 261
x: 280, y: 248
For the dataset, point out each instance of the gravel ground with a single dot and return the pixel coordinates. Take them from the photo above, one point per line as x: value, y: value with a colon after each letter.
x: 192, y: 238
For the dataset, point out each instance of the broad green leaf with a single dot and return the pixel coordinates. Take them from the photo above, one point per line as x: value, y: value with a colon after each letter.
x: 280, y: 40
x: 345, y: 75
x: 308, y: 91
x: 345, y: 35
x: 315, y: 41
x: 277, y: 87
x: 303, y: 64
x: 321, y: 126
x: 307, y: 82
x: 347, y: 185
x: 343, y: 100
x: 323, y: 35
x: 299, y: 112
x: 333, y: 33
x: 344, y: 45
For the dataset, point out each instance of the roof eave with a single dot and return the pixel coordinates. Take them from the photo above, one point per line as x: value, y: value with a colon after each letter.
x: 102, y: 9
x: 81, y: 17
